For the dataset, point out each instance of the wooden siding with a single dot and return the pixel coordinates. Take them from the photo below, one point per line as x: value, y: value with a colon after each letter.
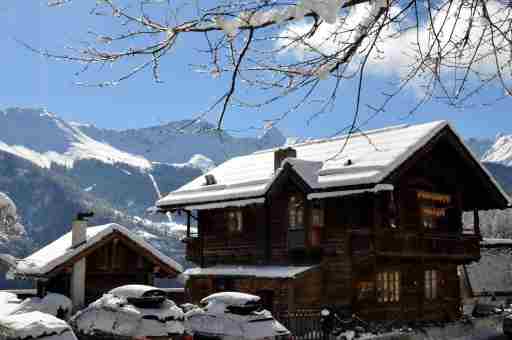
x: 278, y: 295
x: 114, y: 263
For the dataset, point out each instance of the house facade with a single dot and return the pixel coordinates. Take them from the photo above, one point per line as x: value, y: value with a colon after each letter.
x: 89, y: 261
x: 371, y: 223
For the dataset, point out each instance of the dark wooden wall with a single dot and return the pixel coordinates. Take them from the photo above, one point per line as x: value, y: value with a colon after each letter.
x: 112, y: 265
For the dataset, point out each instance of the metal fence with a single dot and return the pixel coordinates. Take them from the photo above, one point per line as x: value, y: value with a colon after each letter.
x: 304, y: 326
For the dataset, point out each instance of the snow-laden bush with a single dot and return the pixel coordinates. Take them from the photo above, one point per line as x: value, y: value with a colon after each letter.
x: 114, y: 315
x: 233, y: 314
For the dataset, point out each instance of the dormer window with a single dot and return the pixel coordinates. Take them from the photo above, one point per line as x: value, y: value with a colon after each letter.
x: 210, y: 179
x: 296, y: 212
x: 235, y: 221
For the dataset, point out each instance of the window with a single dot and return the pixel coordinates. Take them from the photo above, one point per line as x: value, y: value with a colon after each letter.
x: 296, y: 212
x: 235, y: 221
x: 317, y: 214
x: 431, y: 284
x: 317, y: 223
x: 433, y: 208
x: 365, y: 290
x: 388, y: 286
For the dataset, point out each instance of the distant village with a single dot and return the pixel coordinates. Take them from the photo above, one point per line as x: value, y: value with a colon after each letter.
x: 352, y: 237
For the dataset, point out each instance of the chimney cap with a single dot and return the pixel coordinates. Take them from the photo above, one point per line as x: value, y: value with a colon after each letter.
x: 83, y: 216
x: 210, y: 179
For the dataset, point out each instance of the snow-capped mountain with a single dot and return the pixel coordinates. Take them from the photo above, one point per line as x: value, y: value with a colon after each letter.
x: 479, y: 146
x: 45, y: 139
x: 53, y: 169
x: 128, y: 168
x: 501, y: 151
x: 176, y: 142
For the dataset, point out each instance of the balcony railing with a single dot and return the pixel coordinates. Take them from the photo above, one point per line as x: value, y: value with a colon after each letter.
x: 397, y: 243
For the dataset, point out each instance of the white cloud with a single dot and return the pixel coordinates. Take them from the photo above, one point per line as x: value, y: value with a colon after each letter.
x: 398, y: 50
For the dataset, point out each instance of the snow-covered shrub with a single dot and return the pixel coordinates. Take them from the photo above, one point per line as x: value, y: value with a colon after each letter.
x: 233, y: 314
x: 114, y: 315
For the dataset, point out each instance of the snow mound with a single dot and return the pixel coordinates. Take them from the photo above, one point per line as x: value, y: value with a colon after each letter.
x: 134, y: 291
x: 34, y: 325
x: 115, y: 316
x: 231, y: 299
x: 198, y: 161
x: 217, y: 319
x: 53, y: 304
x: 8, y: 302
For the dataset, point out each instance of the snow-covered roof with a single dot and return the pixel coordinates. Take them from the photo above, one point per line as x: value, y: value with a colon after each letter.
x: 496, y: 242
x: 322, y: 164
x: 278, y: 272
x: 493, y: 273
x: 60, y: 251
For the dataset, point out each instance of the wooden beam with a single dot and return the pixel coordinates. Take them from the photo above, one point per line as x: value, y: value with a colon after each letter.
x: 291, y: 296
x: 476, y: 223
x: 188, y: 224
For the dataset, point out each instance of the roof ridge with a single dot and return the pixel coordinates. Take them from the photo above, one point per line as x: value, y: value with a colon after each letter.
x: 352, y: 135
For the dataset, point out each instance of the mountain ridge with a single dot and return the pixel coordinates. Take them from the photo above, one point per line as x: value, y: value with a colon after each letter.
x: 52, y: 169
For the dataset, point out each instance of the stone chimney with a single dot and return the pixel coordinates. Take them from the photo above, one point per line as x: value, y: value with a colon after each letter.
x: 78, y: 237
x: 281, y: 154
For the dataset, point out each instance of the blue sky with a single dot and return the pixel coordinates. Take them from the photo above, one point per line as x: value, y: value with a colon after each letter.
x: 29, y: 80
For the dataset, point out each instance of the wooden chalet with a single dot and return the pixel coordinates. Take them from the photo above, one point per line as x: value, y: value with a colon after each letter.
x: 89, y: 261
x: 371, y: 222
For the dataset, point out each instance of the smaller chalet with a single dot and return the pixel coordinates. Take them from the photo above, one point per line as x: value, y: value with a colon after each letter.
x: 491, y: 277
x: 89, y: 261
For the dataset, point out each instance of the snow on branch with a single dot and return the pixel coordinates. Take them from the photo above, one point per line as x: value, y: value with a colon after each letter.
x: 269, y: 50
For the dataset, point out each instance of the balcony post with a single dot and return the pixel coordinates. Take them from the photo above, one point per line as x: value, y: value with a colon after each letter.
x: 188, y: 223
x: 476, y: 222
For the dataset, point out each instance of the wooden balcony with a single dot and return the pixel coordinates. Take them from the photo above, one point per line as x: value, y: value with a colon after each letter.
x: 397, y: 243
